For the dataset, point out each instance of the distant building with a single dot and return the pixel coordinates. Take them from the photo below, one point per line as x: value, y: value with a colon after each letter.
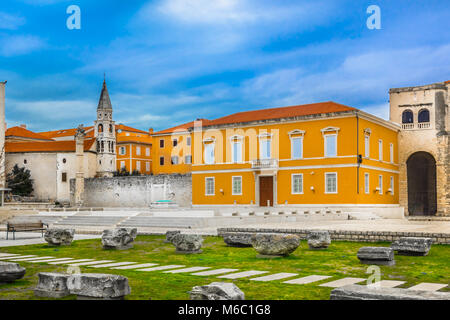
x: 51, y: 156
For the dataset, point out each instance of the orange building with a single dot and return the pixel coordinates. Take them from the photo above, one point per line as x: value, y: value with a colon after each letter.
x: 173, y: 149
x: 317, y: 154
x: 134, y: 149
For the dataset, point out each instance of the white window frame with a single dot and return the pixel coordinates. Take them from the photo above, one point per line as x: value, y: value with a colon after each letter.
x: 367, y: 183
x: 391, y: 152
x: 380, y: 184
x: 188, y: 156
x: 292, y: 183
x: 232, y: 185
x: 326, y: 184
x: 138, y: 166
x: 367, y: 146
x: 380, y: 150
x: 188, y: 141
x: 391, y: 184
x: 174, y: 162
x: 138, y: 150
x: 147, y: 166
x: 213, y: 179
x: 122, y: 151
x: 301, y: 147
x: 213, y: 160
x: 325, y: 136
x: 236, y: 140
x: 262, y: 138
x: 122, y: 164
x: 147, y: 152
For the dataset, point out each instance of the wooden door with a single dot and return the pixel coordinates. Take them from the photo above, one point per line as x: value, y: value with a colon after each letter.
x: 265, y: 191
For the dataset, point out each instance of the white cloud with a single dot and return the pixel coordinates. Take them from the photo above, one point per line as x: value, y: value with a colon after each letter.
x: 359, y: 78
x: 10, y: 22
x: 19, y: 44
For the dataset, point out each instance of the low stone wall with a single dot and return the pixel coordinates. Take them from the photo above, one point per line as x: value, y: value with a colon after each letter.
x: 136, y: 191
x: 345, y: 235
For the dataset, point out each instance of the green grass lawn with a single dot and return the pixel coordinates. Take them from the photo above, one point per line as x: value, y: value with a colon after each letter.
x: 338, y: 261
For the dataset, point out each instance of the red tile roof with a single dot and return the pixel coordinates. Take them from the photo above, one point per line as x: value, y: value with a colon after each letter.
x: 50, y: 146
x: 139, y: 140
x: 183, y: 127
x: 283, y: 112
x: 24, y: 133
x: 130, y: 129
x: 67, y: 133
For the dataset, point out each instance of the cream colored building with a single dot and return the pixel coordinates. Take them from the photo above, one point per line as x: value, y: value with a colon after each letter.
x: 424, y: 147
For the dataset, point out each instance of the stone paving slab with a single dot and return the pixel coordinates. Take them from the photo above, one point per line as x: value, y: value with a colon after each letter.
x: 31, y: 259
x: 387, y: 284
x: 214, y: 272
x: 173, y: 266
x: 426, y: 286
x: 8, y: 254
x: 275, y: 276
x: 143, y: 265
x: 308, y: 279
x: 192, y: 269
x: 341, y: 282
x: 53, y: 260
x: 18, y: 257
x: 70, y: 261
x: 115, y: 264
x: 89, y: 263
x: 243, y: 274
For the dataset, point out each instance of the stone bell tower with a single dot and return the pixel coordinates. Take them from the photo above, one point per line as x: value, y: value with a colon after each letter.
x: 105, y: 134
x: 2, y: 135
x: 424, y: 147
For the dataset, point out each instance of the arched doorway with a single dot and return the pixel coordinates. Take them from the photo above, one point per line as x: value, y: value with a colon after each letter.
x: 421, y: 168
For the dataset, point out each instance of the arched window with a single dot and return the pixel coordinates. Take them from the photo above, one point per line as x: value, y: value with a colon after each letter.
x: 110, y: 128
x: 407, y: 116
x: 100, y: 128
x: 424, y: 115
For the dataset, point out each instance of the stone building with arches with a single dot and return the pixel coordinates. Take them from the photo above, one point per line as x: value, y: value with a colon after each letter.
x: 424, y: 147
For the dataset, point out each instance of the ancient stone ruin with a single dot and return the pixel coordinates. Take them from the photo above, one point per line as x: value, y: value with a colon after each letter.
x: 318, y: 239
x: 412, y: 246
x: 237, y: 239
x: 97, y: 286
x: 187, y: 243
x: 376, y: 255
x: 217, y: 291
x: 119, y: 238
x: 10, y: 272
x: 360, y: 292
x: 170, y: 235
x: 275, y: 244
x: 52, y: 285
x: 58, y: 237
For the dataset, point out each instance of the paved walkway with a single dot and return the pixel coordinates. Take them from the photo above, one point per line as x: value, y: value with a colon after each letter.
x: 253, y: 275
x: 27, y: 238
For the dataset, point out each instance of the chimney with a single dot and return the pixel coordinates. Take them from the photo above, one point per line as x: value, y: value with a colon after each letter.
x: 150, y: 130
x: 24, y: 126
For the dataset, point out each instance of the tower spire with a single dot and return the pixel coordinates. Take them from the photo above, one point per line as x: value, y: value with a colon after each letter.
x: 104, y: 102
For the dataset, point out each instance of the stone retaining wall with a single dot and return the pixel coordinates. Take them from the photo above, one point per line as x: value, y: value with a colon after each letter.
x: 345, y: 235
x: 136, y: 191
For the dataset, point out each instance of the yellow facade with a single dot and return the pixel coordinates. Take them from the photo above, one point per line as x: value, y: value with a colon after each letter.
x: 346, y: 178
x: 172, y: 153
x: 134, y: 150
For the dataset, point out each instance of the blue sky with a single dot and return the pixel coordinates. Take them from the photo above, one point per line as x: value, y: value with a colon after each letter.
x: 171, y: 61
